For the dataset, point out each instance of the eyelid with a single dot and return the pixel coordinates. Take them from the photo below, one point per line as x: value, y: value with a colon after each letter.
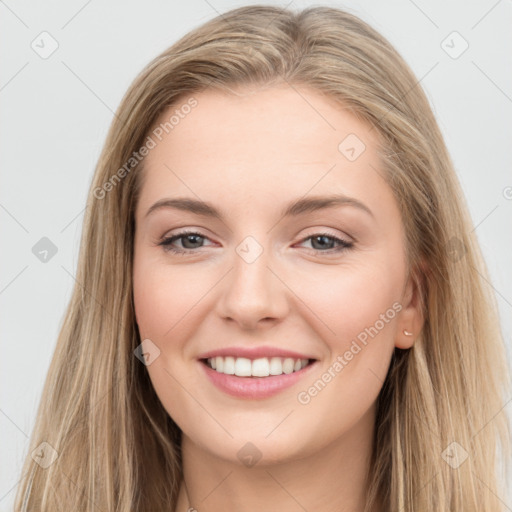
x: 316, y: 231
x: 341, y: 235
x: 342, y: 243
x: 166, y: 240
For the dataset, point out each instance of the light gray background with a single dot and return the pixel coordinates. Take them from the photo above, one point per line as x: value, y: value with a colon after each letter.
x: 56, y: 112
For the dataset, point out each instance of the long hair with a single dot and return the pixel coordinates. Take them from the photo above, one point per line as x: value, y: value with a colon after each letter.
x: 440, y: 427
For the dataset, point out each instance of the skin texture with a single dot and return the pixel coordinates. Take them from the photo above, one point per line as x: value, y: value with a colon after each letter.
x: 249, y: 154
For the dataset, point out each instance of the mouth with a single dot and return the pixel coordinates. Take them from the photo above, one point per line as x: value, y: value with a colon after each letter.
x: 259, y: 368
x: 255, y: 379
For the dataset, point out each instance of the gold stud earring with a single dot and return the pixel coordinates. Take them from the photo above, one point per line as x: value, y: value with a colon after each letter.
x: 407, y: 333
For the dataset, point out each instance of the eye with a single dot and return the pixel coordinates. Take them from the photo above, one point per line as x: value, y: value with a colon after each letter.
x: 190, y: 240
x: 324, y: 242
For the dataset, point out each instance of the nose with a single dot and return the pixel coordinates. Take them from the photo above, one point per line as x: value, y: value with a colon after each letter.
x: 253, y: 295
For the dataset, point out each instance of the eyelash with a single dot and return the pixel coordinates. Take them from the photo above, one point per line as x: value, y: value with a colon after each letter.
x: 166, y: 243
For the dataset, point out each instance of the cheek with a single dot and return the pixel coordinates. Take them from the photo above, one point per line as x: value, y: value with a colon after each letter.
x: 360, y: 307
x: 164, y: 296
x: 352, y: 300
x: 152, y: 302
x: 164, y: 300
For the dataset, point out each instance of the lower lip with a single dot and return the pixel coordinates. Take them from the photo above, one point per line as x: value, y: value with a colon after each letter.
x: 254, y: 387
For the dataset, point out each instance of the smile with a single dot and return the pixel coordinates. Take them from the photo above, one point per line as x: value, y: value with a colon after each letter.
x: 261, y: 367
x: 255, y: 378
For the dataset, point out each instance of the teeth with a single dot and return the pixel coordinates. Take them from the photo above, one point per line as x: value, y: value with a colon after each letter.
x: 276, y: 366
x: 243, y: 367
x: 263, y: 367
x: 229, y: 366
x: 260, y: 367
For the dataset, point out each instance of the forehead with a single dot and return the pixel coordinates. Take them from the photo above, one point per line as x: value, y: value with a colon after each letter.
x: 262, y: 142
x: 273, y: 119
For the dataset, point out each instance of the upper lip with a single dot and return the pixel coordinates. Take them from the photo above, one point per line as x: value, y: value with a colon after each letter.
x: 254, y: 353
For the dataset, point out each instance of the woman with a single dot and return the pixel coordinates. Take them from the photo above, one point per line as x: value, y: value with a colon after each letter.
x: 329, y: 344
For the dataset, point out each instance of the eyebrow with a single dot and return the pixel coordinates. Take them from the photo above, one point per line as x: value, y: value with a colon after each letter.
x: 293, y: 209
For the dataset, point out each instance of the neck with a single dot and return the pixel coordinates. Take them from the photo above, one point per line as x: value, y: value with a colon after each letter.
x: 331, y: 479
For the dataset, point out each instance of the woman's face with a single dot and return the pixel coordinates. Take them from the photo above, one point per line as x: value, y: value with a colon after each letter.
x: 276, y: 273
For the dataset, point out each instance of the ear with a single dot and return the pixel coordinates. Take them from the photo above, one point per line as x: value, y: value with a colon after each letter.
x: 411, y: 318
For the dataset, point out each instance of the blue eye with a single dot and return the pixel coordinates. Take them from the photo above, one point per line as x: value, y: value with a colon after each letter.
x: 186, y: 235
x: 323, y: 237
x: 324, y: 240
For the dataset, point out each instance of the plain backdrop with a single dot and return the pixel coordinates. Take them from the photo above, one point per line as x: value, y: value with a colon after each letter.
x: 56, y: 110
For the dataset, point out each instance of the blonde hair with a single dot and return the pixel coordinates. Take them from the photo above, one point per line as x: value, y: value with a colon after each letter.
x: 117, y: 447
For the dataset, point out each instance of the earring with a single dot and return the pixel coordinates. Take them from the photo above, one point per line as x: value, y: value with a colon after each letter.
x: 407, y: 333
